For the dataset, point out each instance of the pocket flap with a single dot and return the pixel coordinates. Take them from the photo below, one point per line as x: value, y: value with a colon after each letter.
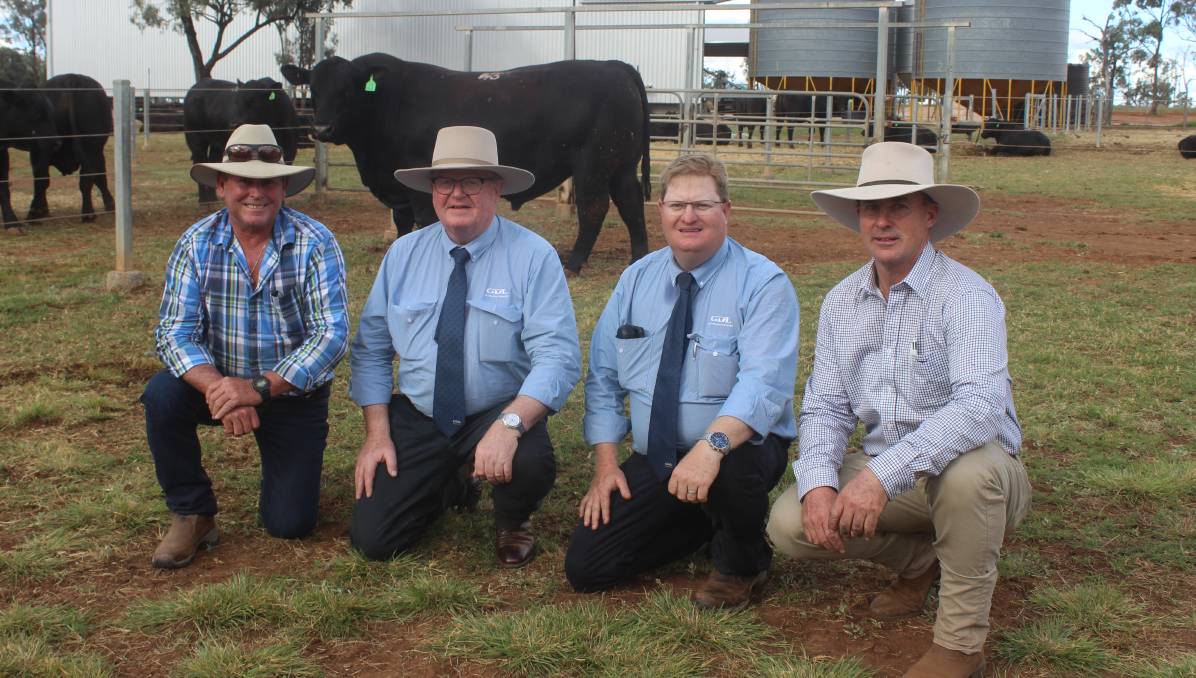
x: 506, y: 311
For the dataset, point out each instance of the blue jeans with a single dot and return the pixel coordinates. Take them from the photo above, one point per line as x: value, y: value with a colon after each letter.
x: 291, y: 442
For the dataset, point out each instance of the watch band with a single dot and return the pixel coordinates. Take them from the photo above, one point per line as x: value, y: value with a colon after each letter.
x: 718, y: 441
x: 262, y: 385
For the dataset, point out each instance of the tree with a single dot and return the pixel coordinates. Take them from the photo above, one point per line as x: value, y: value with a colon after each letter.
x: 298, y: 40
x: 1111, y: 55
x: 23, y: 24
x: 1147, y: 37
x: 16, y: 66
x: 183, y: 15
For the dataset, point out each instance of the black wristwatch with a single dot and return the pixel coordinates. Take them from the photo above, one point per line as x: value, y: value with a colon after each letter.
x: 262, y: 385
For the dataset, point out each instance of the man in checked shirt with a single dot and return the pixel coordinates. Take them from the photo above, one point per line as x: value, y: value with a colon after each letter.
x: 252, y: 323
x: 912, y: 345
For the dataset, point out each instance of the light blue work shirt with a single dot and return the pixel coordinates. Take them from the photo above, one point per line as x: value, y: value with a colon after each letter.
x: 741, y: 360
x: 520, y: 333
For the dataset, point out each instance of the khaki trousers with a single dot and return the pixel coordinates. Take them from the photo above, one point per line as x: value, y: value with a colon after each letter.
x: 965, y: 512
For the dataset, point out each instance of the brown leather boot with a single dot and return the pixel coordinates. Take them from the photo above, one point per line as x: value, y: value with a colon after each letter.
x: 905, y: 596
x: 727, y: 591
x: 939, y: 662
x: 183, y: 539
x: 515, y: 547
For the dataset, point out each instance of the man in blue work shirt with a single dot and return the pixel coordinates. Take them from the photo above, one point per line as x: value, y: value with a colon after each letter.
x: 702, y: 337
x: 477, y: 311
x: 252, y: 323
x: 913, y: 346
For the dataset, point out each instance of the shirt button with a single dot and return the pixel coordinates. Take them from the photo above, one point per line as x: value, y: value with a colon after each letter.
x: 715, y: 354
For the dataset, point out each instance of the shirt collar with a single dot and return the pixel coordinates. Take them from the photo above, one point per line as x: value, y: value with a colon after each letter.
x: 918, y: 278
x: 704, y: 273
x: 476, y: 247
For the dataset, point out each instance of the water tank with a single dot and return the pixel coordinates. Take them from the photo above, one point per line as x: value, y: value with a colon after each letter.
x: 1008, y: 40
x: 815, y: 52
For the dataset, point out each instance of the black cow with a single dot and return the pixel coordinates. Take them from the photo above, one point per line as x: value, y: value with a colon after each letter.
x: 83, y: 116
x: 585, y: 119
x: 212, y: 108
x: 1187, y: 147
x: 748, y: 114
x: 26, y: 123
x: 924, y: 137
x: 1013, y: 139
x: 810, y: 109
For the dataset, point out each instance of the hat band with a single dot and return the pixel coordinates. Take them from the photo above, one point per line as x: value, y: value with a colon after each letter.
x: 881, y: 182
x: 461, y: 161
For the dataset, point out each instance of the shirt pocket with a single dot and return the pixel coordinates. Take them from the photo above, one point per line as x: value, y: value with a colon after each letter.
x: 284, y: 307
x: 636, y: 363
x: 931, y: 380
x: 499, y: 328
x: 718, y: 365
x: 412, y: 326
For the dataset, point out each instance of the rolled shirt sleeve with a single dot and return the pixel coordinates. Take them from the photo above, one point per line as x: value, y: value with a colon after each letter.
x: 181, y: 334
x: 549, y: 335
x: 763, y: 391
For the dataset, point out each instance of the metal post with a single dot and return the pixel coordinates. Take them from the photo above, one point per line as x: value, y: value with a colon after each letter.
x: 827, y: 131
x: 570, y: 35
x: 769, y: 133
x: 468, y: 50
x: 124, y: 277
x: 321, y: 150
x: 687, y: 131
x: 145, y: 116
x: 947, y: 103
x: 882, y: 74
x: 1100, y: 118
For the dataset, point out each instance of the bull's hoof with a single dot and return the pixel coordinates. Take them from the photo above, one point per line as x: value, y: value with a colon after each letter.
x: 37, y: 213
x: 88, y: 218
x: 570, y: 274
x: 14, y: 230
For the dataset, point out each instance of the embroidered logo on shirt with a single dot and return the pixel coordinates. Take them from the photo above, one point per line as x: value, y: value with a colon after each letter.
x: 497, y: 292
x: 721, y: 320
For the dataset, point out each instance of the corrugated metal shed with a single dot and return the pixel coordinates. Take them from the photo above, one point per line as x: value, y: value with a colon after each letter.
x: 816, y: 52
x: 96, y: 38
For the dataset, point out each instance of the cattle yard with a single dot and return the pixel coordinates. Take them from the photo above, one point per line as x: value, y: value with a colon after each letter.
x: 1093, y: 251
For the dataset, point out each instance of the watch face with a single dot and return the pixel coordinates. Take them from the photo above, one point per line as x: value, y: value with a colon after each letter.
x: 511, y: 420
x: 719, y: 440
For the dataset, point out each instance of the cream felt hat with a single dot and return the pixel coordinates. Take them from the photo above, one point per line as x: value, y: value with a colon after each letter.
x: 894, y: 168
x: 466, y: 148
x: 297, y: 176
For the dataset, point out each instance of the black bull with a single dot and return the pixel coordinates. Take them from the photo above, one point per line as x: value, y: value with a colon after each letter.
x: 582, y: 119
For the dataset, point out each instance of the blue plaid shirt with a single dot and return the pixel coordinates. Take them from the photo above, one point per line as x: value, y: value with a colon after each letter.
x: 293, y: 323
x: 926, y: 371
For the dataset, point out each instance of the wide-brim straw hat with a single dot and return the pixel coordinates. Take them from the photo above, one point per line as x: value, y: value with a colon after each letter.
x: 298, y: 177
x: 466, y: 148
x: 895, y: 168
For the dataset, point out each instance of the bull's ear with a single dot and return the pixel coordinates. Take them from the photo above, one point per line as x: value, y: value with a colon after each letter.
x: 273, y: 84
x: 296, y: 75
x: 239, y: 83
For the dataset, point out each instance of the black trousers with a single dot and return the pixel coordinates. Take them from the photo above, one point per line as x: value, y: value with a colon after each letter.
x: 403, y: 507
x: 653, y: 527
x: 291, y: 442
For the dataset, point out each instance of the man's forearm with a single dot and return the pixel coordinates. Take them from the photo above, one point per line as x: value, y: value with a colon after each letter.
x: 201, y: 377
x: 377, y: 420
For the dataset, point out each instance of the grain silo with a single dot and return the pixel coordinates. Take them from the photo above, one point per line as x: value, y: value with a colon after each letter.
x: 1013, y: 48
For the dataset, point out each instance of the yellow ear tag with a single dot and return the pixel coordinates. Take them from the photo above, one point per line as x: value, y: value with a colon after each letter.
x: 272, y: 97
x: 370, y: 85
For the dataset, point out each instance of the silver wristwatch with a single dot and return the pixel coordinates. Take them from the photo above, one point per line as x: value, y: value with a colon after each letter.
x: 719, y: 442
x: 512, y: 421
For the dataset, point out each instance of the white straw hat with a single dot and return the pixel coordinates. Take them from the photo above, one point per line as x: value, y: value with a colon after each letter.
x: 894, y: 168
x: 297, y: 176
x: 466, y: 148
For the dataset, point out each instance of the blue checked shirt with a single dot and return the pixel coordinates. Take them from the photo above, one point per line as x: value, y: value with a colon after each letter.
x: 520, y: 333
x: 742, y: 357
x: 293, y: 323
x: 927, y: 372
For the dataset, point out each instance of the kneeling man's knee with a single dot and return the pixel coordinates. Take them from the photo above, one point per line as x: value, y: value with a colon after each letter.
x: 784, y: 523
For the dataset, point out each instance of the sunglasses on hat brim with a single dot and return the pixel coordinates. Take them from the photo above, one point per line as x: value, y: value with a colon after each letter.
x: 245, y: 152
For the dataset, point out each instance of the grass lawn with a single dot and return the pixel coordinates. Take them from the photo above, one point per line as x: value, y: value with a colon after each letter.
x: 1092, y: 250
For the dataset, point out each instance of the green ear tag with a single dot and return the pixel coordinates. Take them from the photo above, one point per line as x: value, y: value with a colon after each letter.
x: 272, y: 96
x: 370, y: 85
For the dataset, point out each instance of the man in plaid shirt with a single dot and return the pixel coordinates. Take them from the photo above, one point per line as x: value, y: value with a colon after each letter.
x: 253, y: 321
x: 913, y: 346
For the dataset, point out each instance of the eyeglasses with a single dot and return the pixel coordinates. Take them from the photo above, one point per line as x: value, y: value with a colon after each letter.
x: 469, y: 185
x: 700, y: 206
x: 247, y: 152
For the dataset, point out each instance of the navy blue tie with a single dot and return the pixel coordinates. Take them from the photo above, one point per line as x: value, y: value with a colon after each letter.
x: 662, y: 427
x: 448, y: 399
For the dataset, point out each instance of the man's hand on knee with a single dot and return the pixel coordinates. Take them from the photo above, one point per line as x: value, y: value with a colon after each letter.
x: 229, y: 393
x: 375, y: 450
x: 857, y: 508
x: 815, y: 518
x: 240, y: 421
x: 494, y: 456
